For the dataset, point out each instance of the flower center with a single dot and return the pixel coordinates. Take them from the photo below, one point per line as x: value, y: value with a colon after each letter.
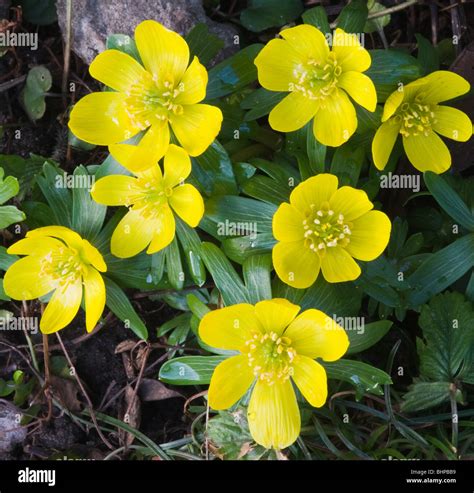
x: 270, y: 357
x: 65, y: 265
x: 416, y: 118
x: 325, y: 229
x: 151, y: 100
x: 315, y: 79
x: 152, y: 197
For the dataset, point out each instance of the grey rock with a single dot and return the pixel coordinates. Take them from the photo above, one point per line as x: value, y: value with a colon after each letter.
x: 11, y: 433
x: 94, y: 20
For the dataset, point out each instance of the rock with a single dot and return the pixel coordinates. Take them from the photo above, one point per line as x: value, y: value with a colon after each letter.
x: 93, y: 21
x: 11, y: 433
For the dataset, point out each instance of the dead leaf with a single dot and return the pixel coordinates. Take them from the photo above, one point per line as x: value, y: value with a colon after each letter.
x: 130, y: 414
x: 65, y: 391
x: 153, y: 390
x: 127, y: 345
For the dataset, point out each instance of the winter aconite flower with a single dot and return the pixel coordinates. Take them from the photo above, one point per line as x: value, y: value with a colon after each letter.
x: 415, y: 113
x: 319, y: 81
x: 151, y: 197
x: 58, y: 260
x: 276, y: 348
x: 323, y: 228
x: 164, y: 92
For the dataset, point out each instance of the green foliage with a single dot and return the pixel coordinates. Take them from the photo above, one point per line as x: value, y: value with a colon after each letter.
x: 38, y: 83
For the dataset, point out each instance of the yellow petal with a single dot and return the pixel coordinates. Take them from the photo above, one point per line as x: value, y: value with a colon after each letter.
x: 163, y: 230
x: 443, y: 85
x: 360, y: 88
x: 229, y: 382
x: 163, y: 52
x: 308, y: 41
x: 335, y: 120
x: 273, y: 415
x: 197, y: 127
x: 287, y: 223
x: 35, y: 246
x: 338, y: 266
x: 229, y: 327
x: 310, y: 377
x: 193, y: 84
x: 312, y: 192
x: 293, y: 112
x: 62, y: 307
x: 316, y: 335
x: 369, y: 235
x: 350, y: 202
x: 94, y: 293
x: 349, y: 53
x: 132, y: 234
x: 71, y: 238
x: 115, y: 190
x: 24, y: 280
x: 452, y: 123
x: 295, y: 264
x: 93, y: 256
x: 276, y: 64
x: 138, y: 158
x: 100, y: 118
x: 177, y: 166
x: 427, y: 153
x: 383, y: 143
x: 275, y: 315
x: 406, y: 92
x: 187, y: 202
x: 117, y: 70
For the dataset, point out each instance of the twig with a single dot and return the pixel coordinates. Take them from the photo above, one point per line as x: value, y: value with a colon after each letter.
x: 454, y: 418
x: 83, y: 390
x: 12, y: 83
x: 158, y: 292
x: 67, y: 50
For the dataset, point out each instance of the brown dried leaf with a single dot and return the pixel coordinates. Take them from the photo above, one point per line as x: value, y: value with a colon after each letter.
x: 65, y: 391
x: 126, y: 345
x: 153, y: 390
x: 130, y: 414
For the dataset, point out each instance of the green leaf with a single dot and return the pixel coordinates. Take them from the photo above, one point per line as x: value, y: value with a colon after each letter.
x: 316, y: 151
x: 353, y: 16
x: 378, y: 23
x: 363, y: 377
x: 191, y: 245
x: 240, y: 214
x: 256, y: 271
x: 441, y: 270
x: 123, y: 43
x: 58, y: 198
x: 448, y: 329
x: 341, y: 299
x: 189, y: 370
x: 240, y: 248
x: 389, y: 68
x: 9, y: 214
x: 6, y: 259
x: 317, y: 17
x: 174, y: 267
x: 226, y: 279
x: 120, y: 305
x: 260, y: 102
x: 423, y: 395
x: 41, y: 12
x: 38, y: 82
x: 213, y: 170
x: 427, y: 55
x: 203, y: 44
x: 360, y: 340
x: 449, y: 200
x: 87, y: 215
x: 263, y: 14
x: 234, y: 73
x: 9, y: 187
x: 347, y: 163
x: 267, y: 189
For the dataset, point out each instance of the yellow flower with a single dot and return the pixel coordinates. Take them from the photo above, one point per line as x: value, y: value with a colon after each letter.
x: 414, y: 113
x: 275, y: 347
x: 58, y: 260
x: 318, y: 80
x: 323, y: 227
x: 151, y: 197
x: 164, y: 92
